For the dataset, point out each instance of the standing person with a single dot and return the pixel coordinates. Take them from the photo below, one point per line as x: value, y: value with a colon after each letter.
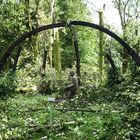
x: 71, y: 89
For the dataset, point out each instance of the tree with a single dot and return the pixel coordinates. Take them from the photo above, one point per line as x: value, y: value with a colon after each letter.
x: 12, y: 25
x: 71, y: 10
x: 101, y: 48
x: 128, y: 12
x: 57, y: 54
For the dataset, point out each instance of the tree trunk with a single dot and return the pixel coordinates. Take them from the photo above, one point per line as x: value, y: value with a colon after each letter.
x: 27, y: 4
x: 29, y: 22
x: 32, y: 39
x: 57, y: 55
x: 35, y: 38
x: 122, y: 7
x: 111, y: 61
x: 44, y: 60
x: 101, y: 42
x: 16, y: 59
x: 52, y: 17
x: 125, y: 57
x: 77, y: 54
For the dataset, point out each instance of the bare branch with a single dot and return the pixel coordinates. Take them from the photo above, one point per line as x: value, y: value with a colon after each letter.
x: 124, y: 11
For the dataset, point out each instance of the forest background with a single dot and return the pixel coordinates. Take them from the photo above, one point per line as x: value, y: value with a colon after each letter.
x: 52, y: 54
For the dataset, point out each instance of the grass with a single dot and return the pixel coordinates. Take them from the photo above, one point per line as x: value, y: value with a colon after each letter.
x: 28, y: 117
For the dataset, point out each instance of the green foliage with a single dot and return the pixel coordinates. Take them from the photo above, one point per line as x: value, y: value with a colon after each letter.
x: 7, y: 84
x: 103, y: 113
x: 45, y: 81
x: 71, y: 10
x: 27, y: 76
x: 11, y: 21
x: 67, y: 52
x: 87, y: 44
x: 128, y: 93
x: 115, y: 114
x: 113, y: 77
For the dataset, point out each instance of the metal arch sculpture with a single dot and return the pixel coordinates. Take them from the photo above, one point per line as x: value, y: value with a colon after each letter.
x: 27, y: 35
x: 131, y: 52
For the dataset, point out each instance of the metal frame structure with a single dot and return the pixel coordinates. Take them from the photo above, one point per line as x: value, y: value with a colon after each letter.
x: 8, y: 52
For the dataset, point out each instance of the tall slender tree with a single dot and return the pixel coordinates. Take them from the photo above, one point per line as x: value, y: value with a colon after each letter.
x: 55, y: 44
x: 101, y: 48
x: 57, y: 54
x: 127, y: 10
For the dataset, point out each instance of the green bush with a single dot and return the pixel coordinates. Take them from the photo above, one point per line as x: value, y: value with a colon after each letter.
x: 7, y: 84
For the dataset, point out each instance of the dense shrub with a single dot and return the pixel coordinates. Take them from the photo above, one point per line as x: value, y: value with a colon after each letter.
x: 7, y: 84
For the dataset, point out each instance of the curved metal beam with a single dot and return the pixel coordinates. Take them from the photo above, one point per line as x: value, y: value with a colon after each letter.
x: 131, y: 52
x: 27, y: 35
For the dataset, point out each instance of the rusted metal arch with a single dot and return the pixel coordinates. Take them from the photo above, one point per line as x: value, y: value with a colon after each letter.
x: 131, y: 52
x: 27, y: 35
